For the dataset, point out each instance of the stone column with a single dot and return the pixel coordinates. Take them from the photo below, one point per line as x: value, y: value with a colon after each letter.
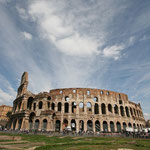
x: 85, y: 125
x: 93, y: 121
x: 77, y: 126
x: 16, y: 127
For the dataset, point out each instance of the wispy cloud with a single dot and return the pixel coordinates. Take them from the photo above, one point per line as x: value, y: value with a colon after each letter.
x: 27, y: 35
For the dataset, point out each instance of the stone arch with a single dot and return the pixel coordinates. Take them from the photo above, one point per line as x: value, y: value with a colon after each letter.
x: 44, y: 126
x: 29, y: 103
x: 66, y: 98
x: 36, y: 125
x: 34, y: 106
x: 19, y: 105
x: 109, y: 108
x: 138, y: 127
x: 65, y: 123
x: 81, y: 125
x: 73, y: 125
x: 95, y: 99
x: 89, y: 125
x: 58, y: 125
x: 122, y: 110
x: 116, y: 109
x: 127, y: 111
x: 31, y: 118
x: 129, y: 125
x: 118, y: 127
x: 48, y: 105
x: 73, y: 107
x: 103, y: 108
x: 89, y: 107
x: 131, y: 111
x: 134, y: 126
x: 96, y: 108
x: 105, y: 126
x: 124, y: 126
x: 66, y: 109
x: 112, y: 127
x: 19, y: 124
x: 81, y: 107
x: 49, y: 98
x: 40, y: 105
x: 97, y: 126
x: 59, y: 106
x: 53, y: 106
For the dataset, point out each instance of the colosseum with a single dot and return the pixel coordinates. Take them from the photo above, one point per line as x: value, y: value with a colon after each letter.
x: 81, y: 109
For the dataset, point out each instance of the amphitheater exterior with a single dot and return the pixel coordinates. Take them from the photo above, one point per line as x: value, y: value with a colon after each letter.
x: 82, y: 109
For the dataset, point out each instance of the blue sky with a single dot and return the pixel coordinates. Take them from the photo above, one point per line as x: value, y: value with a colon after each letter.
x: 101, y: 44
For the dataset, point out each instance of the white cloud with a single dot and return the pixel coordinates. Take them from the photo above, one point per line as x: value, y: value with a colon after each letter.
x: 113, y: 51
x: 27, y: 35
x: 22, y: 12
x: 131, y: 40
x: 147, y: 116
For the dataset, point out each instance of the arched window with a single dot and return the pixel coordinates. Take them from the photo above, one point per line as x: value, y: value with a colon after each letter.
x: 95, y: 99
x: 124, y: 126
x: 66, y: 107
x: 59, y: 106
x: 81, y: 125
x: 31, y: 118
x: 103, y: 108
x: 105, y: 126
x: 118, y: 127
x: 44, y: 124
x: 58, y: 125
x: 36, y: 124
x: 34, y: 106
x: 65, y: 123
x: 129, y: 125
x: 131, y: 111
x: 29, y: 103
x: 48, y: 98
x: 97, y: 126
x: 122, y: 110
x: 107, y: 93
x: 89, y: 107
x: 134, y: 126
x: 109, y: 108
x: 96, y: 108
x: 53, y: 106
x: 101, y: 92
x: 116, y: 109
x: 40, y: 105
x: 81, y: 107
x: 73, y: 125
x: 127, y: 111
x: 73, y: 107
x: 112, y: 128
x: 89, y: 125
x: 66, y: 98
x: 48, y: 105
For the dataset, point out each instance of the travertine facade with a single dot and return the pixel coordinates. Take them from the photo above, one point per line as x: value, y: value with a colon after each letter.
x: 80, y: 108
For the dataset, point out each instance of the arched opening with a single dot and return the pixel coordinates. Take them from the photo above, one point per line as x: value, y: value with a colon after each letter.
x: 59, y: 106
x: 89, y: 125
x: 131, y: 111
x: 36, y: 125
x: 105, y: 126
x: 34, y: 106
x: 44, y: 124
x: 65, y: 123
x: 134, y: 126
x: 81, y: 125
x: 48, y: 98
x: 48, y: 105
x: 73, y: 125
x: 29, y: 103
x: 97, y: 126
x: 53, y: 106
x: 112, y: 128
x: 118, y: 127
x: 109, y: 108
x: 57, y: 127
x: 40, y: 105
x: 31, y: 118
x: 19, y: 105
x: 127, y: 111
x: 116, y: 109
x: 96, y: 108
x: 14, y: 124
x: 103, y: 108
x: 138, y: 127
x: 89, y: 107
x: 101, y: 92
x: 66, y: 107
x: 19, y: 124
x: 95, y: 99
x: 81, y: 107
x: 124, y: 126
x: 134, y: 111
x: 73, y: 107
x: 122, y: 110
x: 129, y: 125
x: 66, y: 98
